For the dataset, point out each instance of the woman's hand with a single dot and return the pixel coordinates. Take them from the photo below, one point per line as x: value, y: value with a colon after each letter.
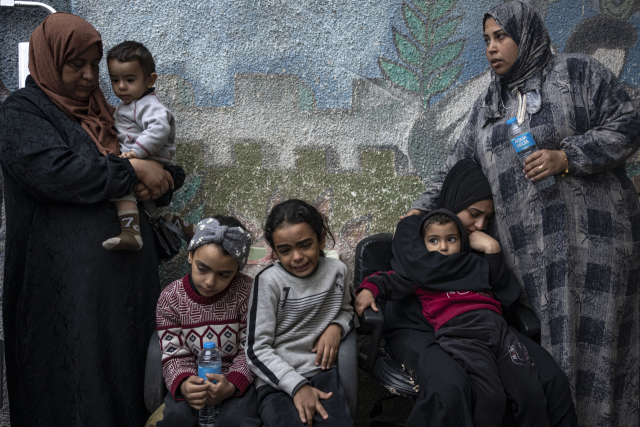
x: 155, y: 178
x: 327, y: 345
x: 219, y: 391
x: 364, y: 300
x: 194, y: 390
x: 411, y: 212
x: 544, y: 163
x: 307, y: 402
x: 482, y: 242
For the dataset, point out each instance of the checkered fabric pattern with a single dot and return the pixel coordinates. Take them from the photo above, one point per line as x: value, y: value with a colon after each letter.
x: 575, y: 247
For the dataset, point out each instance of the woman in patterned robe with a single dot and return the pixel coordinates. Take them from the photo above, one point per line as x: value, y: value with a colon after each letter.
x: 576, y: 246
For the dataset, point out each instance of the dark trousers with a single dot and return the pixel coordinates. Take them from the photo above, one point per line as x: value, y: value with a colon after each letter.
x: 241, y: 411
x: 446, y: 397
x: 276, y: 407
x: 498, y: 365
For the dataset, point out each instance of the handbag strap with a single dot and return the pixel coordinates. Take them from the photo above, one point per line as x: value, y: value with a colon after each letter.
x: 178, y: 231
x: 171, y: 227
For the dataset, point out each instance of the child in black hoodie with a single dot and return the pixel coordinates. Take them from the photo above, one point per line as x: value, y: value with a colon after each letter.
x: 462, y: 296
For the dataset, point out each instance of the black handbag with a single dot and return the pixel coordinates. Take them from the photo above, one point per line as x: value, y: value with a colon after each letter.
x: 167, y: 237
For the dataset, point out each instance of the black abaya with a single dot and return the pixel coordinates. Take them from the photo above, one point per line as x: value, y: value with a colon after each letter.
x: 445, y: 395
x: 77, y: 318
x: 446, y: 398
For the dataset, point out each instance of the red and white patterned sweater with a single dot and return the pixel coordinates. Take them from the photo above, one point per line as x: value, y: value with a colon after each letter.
x: 186, y: 320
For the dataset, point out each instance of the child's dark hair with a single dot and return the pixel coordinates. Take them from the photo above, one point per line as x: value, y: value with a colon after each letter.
x: 440, y: 219
x: 295, y: 211
x: 129, y: 51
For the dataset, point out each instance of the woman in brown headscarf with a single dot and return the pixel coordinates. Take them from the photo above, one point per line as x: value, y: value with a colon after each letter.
x: 77, y: 318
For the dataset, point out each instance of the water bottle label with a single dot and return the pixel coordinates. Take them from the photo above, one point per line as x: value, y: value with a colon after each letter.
x: 522, y: 142
x: 203, y: 371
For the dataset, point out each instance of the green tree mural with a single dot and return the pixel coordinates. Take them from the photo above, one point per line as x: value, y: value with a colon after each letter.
x: 427, y: 66
x: 620, y: 8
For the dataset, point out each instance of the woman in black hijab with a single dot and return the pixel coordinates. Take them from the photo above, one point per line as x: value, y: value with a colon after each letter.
x: 445, y: 397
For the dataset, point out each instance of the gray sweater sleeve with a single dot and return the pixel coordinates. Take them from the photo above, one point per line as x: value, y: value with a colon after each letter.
x: 261, y: 355
x: 155, y: 119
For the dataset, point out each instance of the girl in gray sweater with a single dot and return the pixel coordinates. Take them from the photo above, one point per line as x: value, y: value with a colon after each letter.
x: 299, y: 312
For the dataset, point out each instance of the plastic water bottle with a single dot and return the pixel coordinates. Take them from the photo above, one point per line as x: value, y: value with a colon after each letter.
x: 523, y: 143
x: 209, y: 363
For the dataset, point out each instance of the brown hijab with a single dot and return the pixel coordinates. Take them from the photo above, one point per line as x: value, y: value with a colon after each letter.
x: 60, y: 38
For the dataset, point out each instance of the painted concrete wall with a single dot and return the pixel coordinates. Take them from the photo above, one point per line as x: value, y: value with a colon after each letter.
x: 351, y: 104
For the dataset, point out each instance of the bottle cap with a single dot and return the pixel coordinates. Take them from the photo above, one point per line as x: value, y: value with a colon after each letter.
x: 511, y: 121
x: 209, y: 345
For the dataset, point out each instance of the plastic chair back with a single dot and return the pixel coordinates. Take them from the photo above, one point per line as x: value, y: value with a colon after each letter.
x: 373, y: 254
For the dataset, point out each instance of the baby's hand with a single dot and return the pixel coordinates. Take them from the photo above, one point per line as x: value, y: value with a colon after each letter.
x: 129, y: 155
x: 327, y: 345
x: 365, y: 299
x: 482, y: 242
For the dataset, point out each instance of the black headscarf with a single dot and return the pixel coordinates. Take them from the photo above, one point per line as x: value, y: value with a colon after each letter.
x: 464, y: 185
x: 525, y: 27
x: 414, y: 265
x: 434, y: 271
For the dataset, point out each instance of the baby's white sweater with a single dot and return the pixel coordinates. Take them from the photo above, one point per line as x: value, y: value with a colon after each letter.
x: 147, y: 128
